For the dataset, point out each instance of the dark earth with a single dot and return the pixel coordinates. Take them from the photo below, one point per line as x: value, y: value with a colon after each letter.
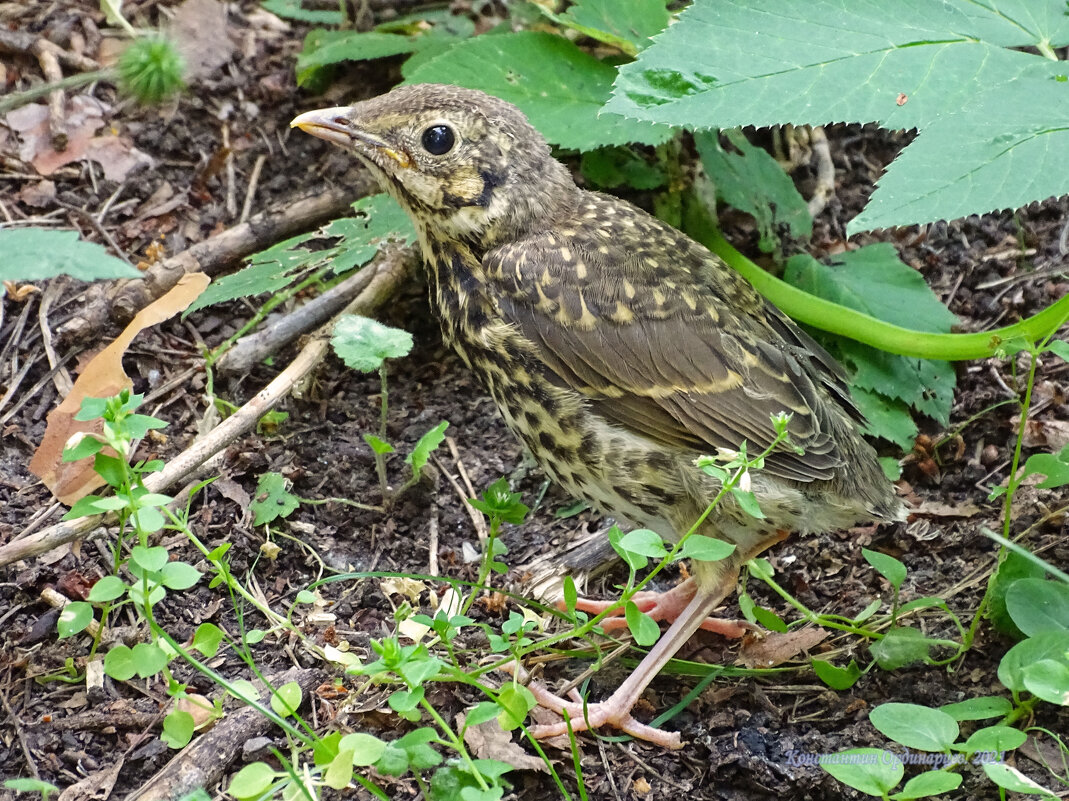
x: 747, y: 736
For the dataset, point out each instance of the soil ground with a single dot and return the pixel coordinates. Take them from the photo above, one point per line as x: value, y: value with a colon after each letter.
x: 746, y: 737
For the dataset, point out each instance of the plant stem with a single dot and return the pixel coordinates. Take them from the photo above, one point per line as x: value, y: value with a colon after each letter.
x: 836, y: 319
x: 380, y: 458
x: 70, y: 82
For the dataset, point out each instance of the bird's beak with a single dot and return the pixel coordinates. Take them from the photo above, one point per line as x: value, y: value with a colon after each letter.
x: 336, y: 126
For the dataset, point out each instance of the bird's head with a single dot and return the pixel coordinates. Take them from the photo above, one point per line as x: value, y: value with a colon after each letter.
x: 464, y: 164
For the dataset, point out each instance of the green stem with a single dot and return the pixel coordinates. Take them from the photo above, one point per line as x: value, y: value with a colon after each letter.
x: 836, y: 319
x: 453, y: 740
x: 70, y: 82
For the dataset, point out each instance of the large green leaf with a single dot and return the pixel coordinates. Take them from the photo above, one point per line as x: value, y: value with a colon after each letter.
x: 875, y: 281
x: 560, y: 88
x: 34, y: 254
x: 946, y: 68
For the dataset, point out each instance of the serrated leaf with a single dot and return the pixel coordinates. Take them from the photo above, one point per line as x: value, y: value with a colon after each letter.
x: 559, y: 87
x: 375, y: 219
x: 628, y: 26
x: 363, y: 344
x: 751, y: 181
x: 886, y: 418
x: 323, y: 47
x: 268, y: 271
x: 425, y: 446
x: 875, y: 281
x: 943, y: 68
x: 35, y: 254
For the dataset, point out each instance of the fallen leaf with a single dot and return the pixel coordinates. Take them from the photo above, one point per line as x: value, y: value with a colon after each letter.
x: 200, y: 28
x: 96, y: 785
x: 103, y: 377
x: 201, y: 709
x: 939, y: 509
x: 1052, y: 435
x: 401, y: 585
x: 775, y: 648
x: 489, y: 741
x: 39, y: 194
x: 84, y: 116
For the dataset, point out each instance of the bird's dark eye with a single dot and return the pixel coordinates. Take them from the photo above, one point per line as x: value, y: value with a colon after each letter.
x: 438, y: 140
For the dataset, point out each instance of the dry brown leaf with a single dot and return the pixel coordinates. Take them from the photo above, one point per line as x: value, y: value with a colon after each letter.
x: 775, y: 648
x: 201, y: 30
x: 489, y: 741
x: 102, y: 378
x: 96, y: 785
x: 939, y: 509
x: 1052, y: 435
x: 84, y: 115
x: 202, y: 711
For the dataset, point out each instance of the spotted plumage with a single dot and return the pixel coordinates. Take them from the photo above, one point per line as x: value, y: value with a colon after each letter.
x: 614, y: 346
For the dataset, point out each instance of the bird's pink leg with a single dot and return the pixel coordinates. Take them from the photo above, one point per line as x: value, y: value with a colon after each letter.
x: 616, y: 709
x: 666, y: 606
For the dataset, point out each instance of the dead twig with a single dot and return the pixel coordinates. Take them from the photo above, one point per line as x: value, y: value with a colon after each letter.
x: 384, y: 285
x: 250, y: 192
x: 122, y: 299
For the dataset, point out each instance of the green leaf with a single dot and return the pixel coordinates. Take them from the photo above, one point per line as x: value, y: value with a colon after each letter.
x: 571, y: 595
x: 515, y: 701
x: 1011, y: 569
x: 366, y: 748
x: 207, y: 638
x: 1009, y: 778
x: 995, y: 739
x: 1053, y: 645
x: 627, y: 26
x: 273, y: 499
x: 887, y: 566
x: 836, y: 677
x: 1037, y: 605
x: 119, y: 663
x: 886, y: 418
x: 900, y: 647
x: 31, y: 786
x: 644, y: 542
x: 251, y: 781
x: 769, y: 619
x: 747, y: 501
x: 340, y: 771
x: 268, y: 272
x: 179, y: 576
x: 148, y: 659
x: 984, y: 109
x: 377, y: 445
x: 635, y: 561
x: 323, y: 47
x: 874, y: 280
x: 559, y: 87
x: 750, y: 180
x: 872, y: 771
x: 286, y: 700
x: 610, y: 167
x: 177, y: 729
x: 990, y: 706
x: 1054, y: 466
x: 292, y: 9
x: 643, y: 627
x: 376, y: 219
x: 1049, y: 679
x: 426, y: 445
x: 931, y: 782
x: 85, y: 447
x: 705, y: 549
x: 74, y: 618
x: 915, y: 726
x: 36, y: 254
x: 363, y: 344
x: 483, y: 712
x: 107, y: 589
x: 149, y: 558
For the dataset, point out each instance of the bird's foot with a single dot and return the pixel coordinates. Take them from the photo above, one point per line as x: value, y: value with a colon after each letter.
x: 615, y: 711
x: 665, y: 606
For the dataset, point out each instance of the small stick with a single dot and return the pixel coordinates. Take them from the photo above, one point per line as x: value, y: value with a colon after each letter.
x: 254, y: 179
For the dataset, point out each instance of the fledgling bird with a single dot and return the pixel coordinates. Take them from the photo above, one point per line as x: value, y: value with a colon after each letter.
x: 616, y: 348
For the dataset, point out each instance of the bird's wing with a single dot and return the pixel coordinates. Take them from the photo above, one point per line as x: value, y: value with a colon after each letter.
x: 689, y: 356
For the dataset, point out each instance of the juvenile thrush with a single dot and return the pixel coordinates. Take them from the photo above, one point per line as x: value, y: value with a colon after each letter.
x: 615, y: 347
